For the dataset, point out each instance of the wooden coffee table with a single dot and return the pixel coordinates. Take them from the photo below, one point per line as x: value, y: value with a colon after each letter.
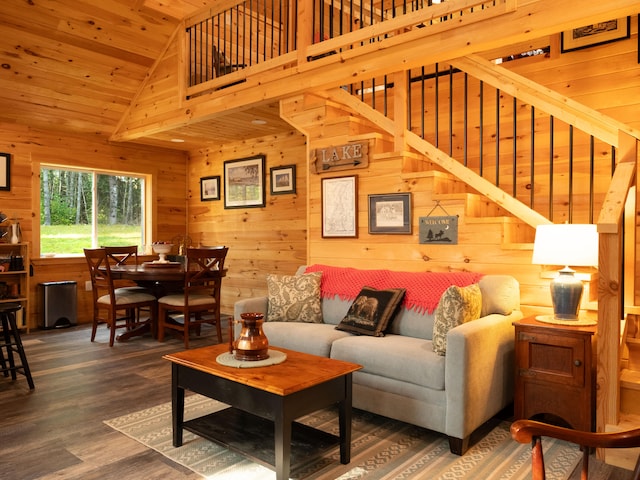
x: 264, y: 402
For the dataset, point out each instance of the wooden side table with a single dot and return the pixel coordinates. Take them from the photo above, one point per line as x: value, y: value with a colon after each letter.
x: 555, y: 373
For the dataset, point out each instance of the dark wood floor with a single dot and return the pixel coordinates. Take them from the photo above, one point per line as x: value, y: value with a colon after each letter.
x: 57, y: 430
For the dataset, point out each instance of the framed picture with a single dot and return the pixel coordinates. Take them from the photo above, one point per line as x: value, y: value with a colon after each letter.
x: 244, y: 182
x: 210, y: 188
x: 283, y: 180
x: 340, y: 207
x: 5, y: 171
x: 390, y: 213
x: 595, y: 34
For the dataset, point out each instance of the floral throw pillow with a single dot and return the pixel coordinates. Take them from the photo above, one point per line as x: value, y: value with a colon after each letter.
x: 294, y: 298
x: 457, y: 305
x: 371, y: 311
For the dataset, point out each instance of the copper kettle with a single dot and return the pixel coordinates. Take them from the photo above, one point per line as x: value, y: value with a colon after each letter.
x: 252, y: 343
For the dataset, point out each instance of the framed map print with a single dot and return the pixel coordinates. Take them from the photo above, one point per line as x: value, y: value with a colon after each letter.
x: 340, y: 207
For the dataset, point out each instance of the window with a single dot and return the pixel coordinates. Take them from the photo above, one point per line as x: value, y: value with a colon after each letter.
x: 87, y: 209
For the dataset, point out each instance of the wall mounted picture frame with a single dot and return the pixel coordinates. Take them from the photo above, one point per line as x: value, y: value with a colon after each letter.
x: 340, y: 207
x: 283, y: 180
x: 244, y: 182
x: 210, y: 188
x: 596, y: 34
x: 390, y: 213
x: 5, y: 171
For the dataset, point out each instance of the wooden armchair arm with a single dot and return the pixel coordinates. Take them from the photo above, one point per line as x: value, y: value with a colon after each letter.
x: 524, y: 431
x: 530, y: 431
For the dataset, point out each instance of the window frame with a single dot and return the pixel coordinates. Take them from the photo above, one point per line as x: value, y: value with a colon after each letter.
x: 146, y: 202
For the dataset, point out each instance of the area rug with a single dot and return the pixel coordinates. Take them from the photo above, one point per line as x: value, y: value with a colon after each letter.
x: 381, y: 449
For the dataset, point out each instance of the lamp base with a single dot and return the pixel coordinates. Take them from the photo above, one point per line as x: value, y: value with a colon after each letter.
x: 566, y: 293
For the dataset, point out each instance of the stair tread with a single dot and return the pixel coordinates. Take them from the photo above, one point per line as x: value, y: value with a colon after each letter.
x: 494, y: 219
x: 427, y: 174
x: 396, y: 154
x: 629, y: 421
x: 630, y: 379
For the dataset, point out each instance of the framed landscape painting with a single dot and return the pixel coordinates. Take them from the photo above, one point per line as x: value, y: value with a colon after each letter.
x: 5, y: 170
x: 596, y: 34
x: 210, y: 188
x: 390, y: 213
x: 244, y: 182
x: 283, y: 180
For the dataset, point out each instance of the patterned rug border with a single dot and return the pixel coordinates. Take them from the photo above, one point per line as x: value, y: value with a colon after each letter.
x: 382, y: 449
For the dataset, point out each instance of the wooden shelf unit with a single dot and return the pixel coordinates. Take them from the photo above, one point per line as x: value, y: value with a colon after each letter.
x: 15, y: 277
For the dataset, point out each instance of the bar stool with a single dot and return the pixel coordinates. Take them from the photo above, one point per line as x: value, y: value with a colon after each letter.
x: 11, y: 342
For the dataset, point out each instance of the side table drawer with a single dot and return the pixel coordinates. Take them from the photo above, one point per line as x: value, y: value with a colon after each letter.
x: 551, y: 358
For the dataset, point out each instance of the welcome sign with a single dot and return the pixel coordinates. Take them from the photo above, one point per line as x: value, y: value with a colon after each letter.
x: 439, y: 230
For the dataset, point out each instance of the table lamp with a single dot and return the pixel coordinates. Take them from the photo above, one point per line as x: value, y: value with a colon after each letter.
x: 566, y: 244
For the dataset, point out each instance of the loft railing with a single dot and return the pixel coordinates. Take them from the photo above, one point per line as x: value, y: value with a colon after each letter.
x: 246, y: 34
x: 221, y: 42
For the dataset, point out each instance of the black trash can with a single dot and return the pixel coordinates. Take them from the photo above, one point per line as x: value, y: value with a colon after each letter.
x: 58, y: 304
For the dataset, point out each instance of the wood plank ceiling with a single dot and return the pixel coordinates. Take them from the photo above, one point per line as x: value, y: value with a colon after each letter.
x: 76, y: 65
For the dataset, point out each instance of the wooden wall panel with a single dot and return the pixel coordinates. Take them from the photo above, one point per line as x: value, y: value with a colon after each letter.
x: 272, y: 239
x: 160, y: 91
x: 31, y: 147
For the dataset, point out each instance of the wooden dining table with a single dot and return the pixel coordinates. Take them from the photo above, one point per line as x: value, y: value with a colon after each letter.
x: 159, y: 278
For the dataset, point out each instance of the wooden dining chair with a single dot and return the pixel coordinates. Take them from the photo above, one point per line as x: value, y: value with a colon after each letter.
x: 531, y: 431
x: 108, y: 301
x: 199, y: 302
x: 121, y: 255
x: 124, y: 255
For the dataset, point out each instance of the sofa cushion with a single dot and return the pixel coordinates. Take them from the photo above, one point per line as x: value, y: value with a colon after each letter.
x: 456, y: 306
x: 294, y: 298
x: 394, y: 356
x: 412, y: 323
x: 334, y: 310
x: 312, y: 338
x: 371, y: 311
x: 500, y: 294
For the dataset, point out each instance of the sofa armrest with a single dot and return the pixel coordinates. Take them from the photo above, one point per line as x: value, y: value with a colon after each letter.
x: 479, y: 371
x: 255, y: 304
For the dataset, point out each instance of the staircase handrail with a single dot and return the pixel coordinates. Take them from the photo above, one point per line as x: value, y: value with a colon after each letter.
x: 587, y: 119
x: 437, y: 156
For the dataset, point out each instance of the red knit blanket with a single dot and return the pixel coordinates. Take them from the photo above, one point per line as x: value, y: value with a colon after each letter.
x: 423, y: 289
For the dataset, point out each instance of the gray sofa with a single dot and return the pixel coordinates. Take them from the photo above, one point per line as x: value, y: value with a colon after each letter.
x: 402, y: 377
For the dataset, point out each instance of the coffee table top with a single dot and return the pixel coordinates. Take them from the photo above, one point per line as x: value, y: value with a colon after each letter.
x: 298, y: 372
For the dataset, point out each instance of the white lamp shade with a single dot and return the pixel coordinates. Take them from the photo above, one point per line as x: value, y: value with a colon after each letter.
x: 573, y: 245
